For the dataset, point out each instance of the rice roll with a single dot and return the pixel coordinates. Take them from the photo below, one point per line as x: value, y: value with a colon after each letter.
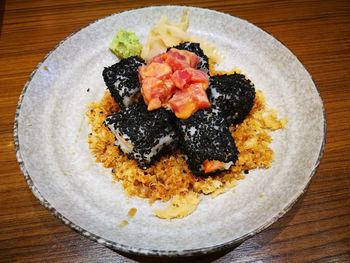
x: 233, y: 94
x: 123, y: 82
x: 143, y: 135
x: 207, y: 142
x: 195, y: 48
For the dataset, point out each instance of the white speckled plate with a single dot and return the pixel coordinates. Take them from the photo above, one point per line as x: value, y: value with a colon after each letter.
x: 51, y: 131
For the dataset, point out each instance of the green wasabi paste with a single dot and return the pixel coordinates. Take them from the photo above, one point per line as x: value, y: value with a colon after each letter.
x: 125, y: 44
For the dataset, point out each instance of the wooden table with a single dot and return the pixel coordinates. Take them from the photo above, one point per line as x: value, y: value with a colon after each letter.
x: 317, y: 228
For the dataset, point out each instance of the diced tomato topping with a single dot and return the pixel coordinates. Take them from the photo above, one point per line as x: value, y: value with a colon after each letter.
x: 212, y: 166
x: 198, y: 76
x: 170, y: 79
x: 148, y: 86
x: 159, y: 58
x: 199, y: 95
x: 170, y: 88
x: 187, y: 101
x: 182, y: 104
x: 180, y: 59
x: 185, y: 77
x: 156, y: 93
x: 154, y: 104
x: 157, y: 70
x: 181, y: 78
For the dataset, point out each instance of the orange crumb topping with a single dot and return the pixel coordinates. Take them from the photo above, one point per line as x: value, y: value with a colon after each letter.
x: 132, y: 212
x: 170, y: 176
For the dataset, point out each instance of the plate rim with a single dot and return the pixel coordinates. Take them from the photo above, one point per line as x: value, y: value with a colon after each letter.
x: 143, y: 251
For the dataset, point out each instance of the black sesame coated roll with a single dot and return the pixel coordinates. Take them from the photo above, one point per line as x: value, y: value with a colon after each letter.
x: 233, y: 94
x: 195, y: 48
x: 122, y: 80
x: 143, y: 135
x: 207, y: 142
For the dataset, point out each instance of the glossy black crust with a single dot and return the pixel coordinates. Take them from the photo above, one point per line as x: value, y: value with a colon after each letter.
x: 233, y: 94
x: 122, y: 80
x: 144, y: 129
x: 195, y: 48
x: 206, y: 136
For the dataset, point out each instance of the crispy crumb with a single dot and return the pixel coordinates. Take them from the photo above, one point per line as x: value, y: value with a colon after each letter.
x: 123, y: 223
x: 170, y: 177
x: 132, y: 212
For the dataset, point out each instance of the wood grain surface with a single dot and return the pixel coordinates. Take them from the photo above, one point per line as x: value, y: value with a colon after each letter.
x: 316, y: 229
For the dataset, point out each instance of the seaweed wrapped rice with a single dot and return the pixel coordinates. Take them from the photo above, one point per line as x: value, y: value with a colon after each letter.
x: 123, y: 82
x: 233, y: 94
x: 143, y: 135
x: 207, y: 142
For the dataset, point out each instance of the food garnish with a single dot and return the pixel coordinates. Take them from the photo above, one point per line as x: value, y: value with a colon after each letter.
x: 125, y: 44
x: 132, y: 212
x: 172, y: 80
x: 167, y: 33
x: 179, y: 207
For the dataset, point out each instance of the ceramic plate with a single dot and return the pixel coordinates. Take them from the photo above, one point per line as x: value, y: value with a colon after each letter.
x: 51, y: 139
